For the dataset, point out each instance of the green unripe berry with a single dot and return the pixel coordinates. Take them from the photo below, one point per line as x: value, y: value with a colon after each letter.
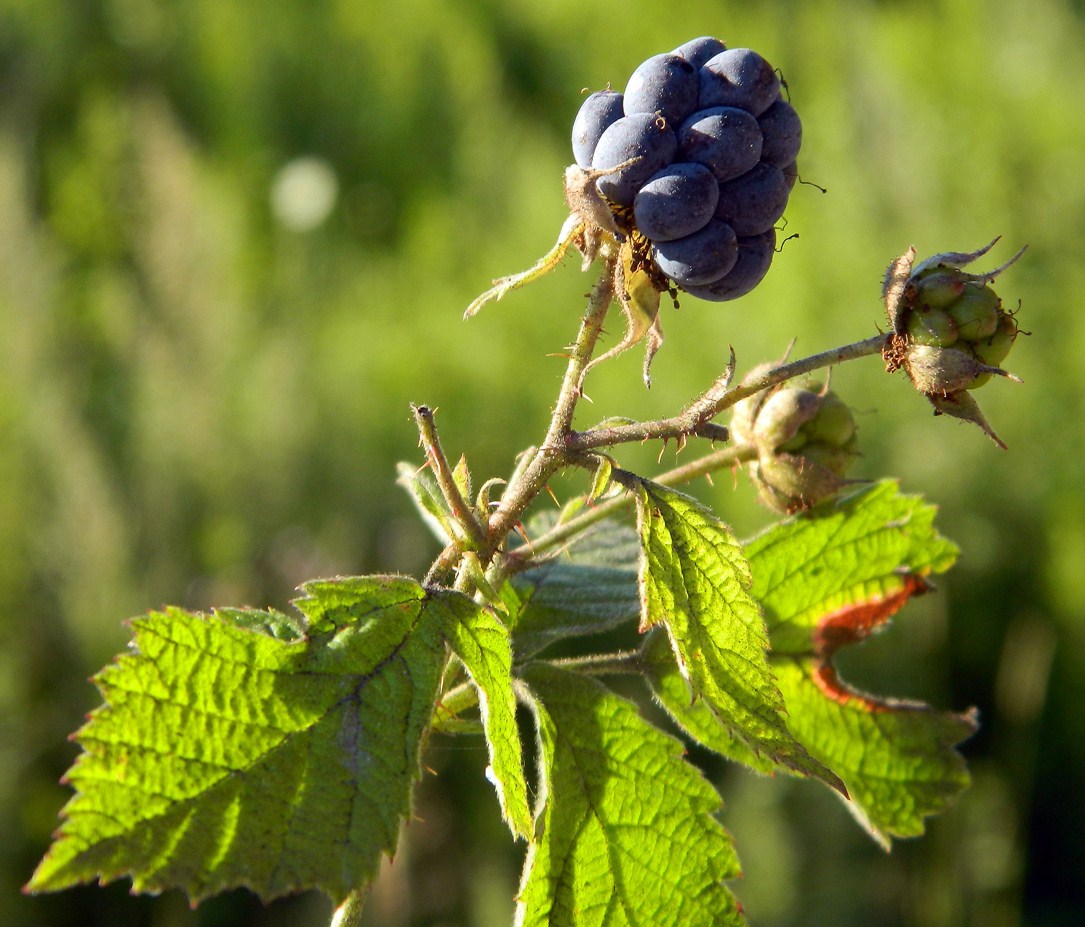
x: 805, y: 440
x: 796, y: 443
x: 934, y: 327
x: 832, y: 458
x: 782, y: 415
x: 976, y: 313
x: 993, y: 350
x: 938, y: 289
x: 834, y: 424
x: 949, y: 330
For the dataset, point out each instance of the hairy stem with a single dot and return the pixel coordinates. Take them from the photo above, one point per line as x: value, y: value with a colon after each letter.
x: 563, y: 533
x: 431, y: 443
x: 530, y: 480
x: 696, y: 418
x: 627, y: 662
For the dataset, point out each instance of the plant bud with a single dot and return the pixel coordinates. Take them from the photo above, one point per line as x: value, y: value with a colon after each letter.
x: 950, y: 330
x: 805, y: 440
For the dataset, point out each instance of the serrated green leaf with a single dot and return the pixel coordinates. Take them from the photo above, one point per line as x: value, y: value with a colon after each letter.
x: 827, y: 578
x: 896, y: 758
x: 695, y: 583
x: 694, y: 717
x: 589, y: 589
x: 225, y: 756
x: 625, y: 833
x: 481, y: 641
x: 863, y: 547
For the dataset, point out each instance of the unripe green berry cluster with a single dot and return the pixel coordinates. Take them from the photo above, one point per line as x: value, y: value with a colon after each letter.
x: 950, y: 329
x: 948, y: 309
x: 805, y: 439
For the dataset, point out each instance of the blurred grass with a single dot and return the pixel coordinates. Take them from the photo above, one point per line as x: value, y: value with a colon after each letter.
x: 202, y: 403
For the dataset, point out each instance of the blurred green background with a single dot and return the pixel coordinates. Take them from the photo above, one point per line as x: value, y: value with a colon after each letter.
x: 236, y: 240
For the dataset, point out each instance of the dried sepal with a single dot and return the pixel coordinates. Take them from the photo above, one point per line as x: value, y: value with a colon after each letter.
x: 571, y: 233
x: 638, y: 293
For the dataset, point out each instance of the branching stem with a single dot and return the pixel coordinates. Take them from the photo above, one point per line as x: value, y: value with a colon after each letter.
x: 695, y: 420
x: 431, y: 443
x: 530, y: 480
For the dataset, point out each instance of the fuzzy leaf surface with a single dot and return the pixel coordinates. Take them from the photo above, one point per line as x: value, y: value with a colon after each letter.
x: 426, y: 495
x: 626, y: 833
x: 247, y: 748
x: 695, y: 583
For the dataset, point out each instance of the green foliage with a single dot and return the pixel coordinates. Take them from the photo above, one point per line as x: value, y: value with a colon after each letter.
x: 696, y: 584
x: 234, y: 751
x: 481, y: 641
x: 589, y: 591
x: 824, y: 580
x: 626, y: 832
x: 198, y: 401
x: 255, y: 748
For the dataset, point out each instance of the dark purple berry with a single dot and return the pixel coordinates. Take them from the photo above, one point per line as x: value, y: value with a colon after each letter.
x: 677, y: 201
x: 666, y: 84
x: 597, y: 113
x: 725, y: 139
x: 739, y: 77
x: 643, y: 138
x: 751, y: 204
x: 698, y: 51
x: 754, y: 257
x: 699, y: 258
x: 781, y: 130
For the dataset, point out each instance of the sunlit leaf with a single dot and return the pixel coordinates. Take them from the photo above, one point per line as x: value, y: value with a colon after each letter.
x: 590, y: 588
x: 625, y: 833
x: 481, y: 641
x: 828, y: 578
x: 695, y: 583
x: 232, y: 752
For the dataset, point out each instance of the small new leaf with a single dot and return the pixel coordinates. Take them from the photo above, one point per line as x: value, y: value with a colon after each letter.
x: 600, y: 482
x: 426, y: 495
x: 695, y: 582
x: 244, y: 748
x: 625, y: 829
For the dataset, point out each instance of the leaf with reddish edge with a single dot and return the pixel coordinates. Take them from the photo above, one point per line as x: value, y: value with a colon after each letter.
x: 856, y: 622
x: 827, y: 579
x: 863, y: 548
